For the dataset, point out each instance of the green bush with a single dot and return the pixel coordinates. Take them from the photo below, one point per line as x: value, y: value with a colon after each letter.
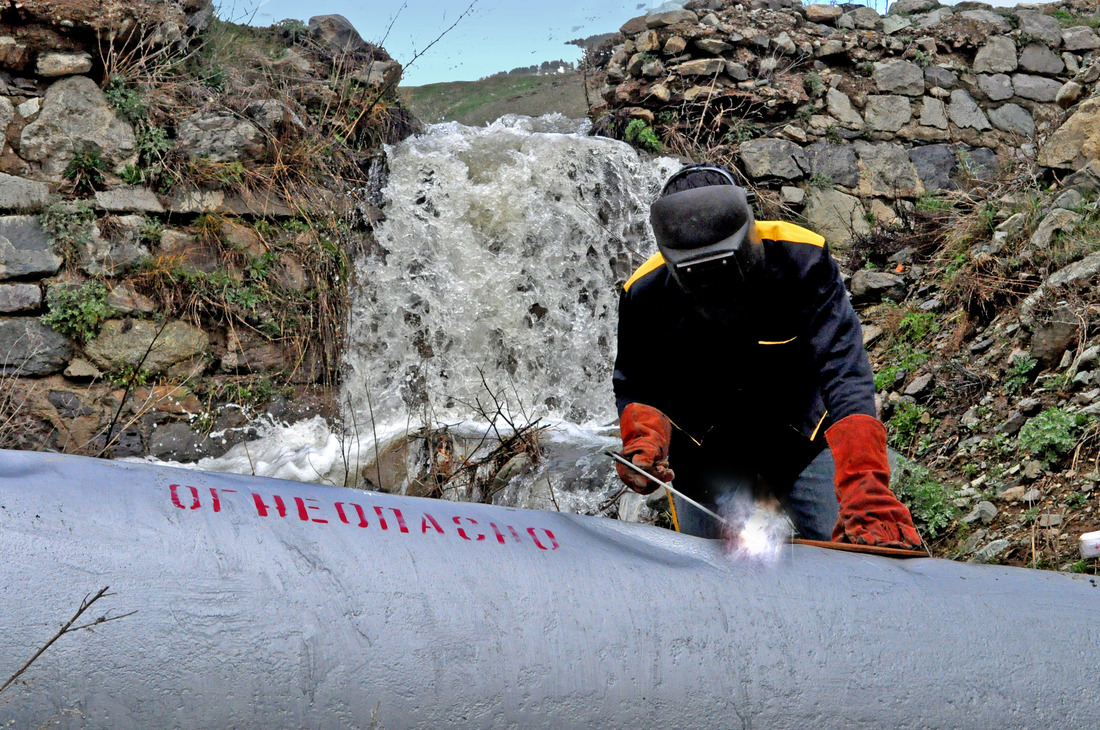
x: 1050, y: 435
x: 69, y: 227
x: 904, y: 424
x: 127, y: 100
x: 77, y: 310
x: 928, y: 500
x: 640, y: 134
x: 85, y: 170
x: 1019, y: 373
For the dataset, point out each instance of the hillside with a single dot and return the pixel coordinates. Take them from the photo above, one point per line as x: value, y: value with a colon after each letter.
x: 479, y: 102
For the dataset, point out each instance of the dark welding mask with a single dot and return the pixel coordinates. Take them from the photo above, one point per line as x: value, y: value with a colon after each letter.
x: 706, y: 236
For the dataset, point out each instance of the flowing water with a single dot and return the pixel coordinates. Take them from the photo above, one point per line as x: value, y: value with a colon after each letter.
x: 487, y: 306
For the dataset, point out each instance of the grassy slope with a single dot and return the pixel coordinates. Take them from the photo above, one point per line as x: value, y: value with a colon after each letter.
x: 479, y: 102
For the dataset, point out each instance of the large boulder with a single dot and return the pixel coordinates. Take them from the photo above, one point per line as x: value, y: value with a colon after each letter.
x: 998, y: 55
x: 28, y: 347
x: 888, y: 112
x: 220, y: 137
x: 774, y: 158
x: 1014, y: 119
x: 965, y: 112
x: 833, y: 163
x: 885, y: 170
x: 122, y: 344
x: 898, y: 77
x: 1077, y: 141
x: 19, y: 194
x: 335, y: 33
x: 835, y: 215
x: 25, y: 251
x: 76, y: 117
x: 1042, y: 26
x: 935, y: 163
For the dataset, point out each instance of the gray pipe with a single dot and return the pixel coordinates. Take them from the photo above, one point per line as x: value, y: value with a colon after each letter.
x: 265, y: 603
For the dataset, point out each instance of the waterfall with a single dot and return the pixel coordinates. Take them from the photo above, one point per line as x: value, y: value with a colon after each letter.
x: 488, y: 301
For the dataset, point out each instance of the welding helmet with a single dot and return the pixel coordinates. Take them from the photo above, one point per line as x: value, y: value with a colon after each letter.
x: 706, y: 233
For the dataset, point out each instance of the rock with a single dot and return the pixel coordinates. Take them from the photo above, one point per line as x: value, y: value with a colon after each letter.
x: 81, y: 369
x: 335, y: 33
x: 992, y: 550
x: 75, y: 116
x: 68, y: 404
x: 972, y: 542
x: 1055, y: 221
x: 943, y: 78
x: 128, y: 199
x: 1069, y: 94
x: 196, y: 201
x: 892, y: 24
x: 829, y: 48
x: 998, y: 55
x: 674, y: 46
x: 1029, y: 406
x: 633, y: 27
x: 125, y: 300
x: 1039, y: 59
x: 835, y: 215
x: 899, y: 77
x: 834, y: 163
x: 19, y: 298
x: 1012, y: 494
x: 840, y: 107
x: 784, y: 44
x: 1077, y: 141
x: 711, y: 46
x: 220, y: 137
x: 120, y: 253
x: 1051, y: 339
x: 25, y: 250
x: 18, y: 194
x: 933, y: 113
x: 920, y: 384
x: 176, y: 442
x: 997, y: 87
x: 824, y: 14
x: 885, y: 170
x: 1049, y: 520
x: 1040, y: 25
x: 888, y: 113
x: 1032, y: 495
x: 122, y: 344
x: 792, y: 196
x: 671, y: 17
x: 1069, y: 200
x: 1079, y: 272
x: 909, y: 7
x: 700, y: 67
x: 1013, y: 119
x: 377, y: 74
x: 274, y: 116
x: 872, y: 286
x: 190, y: 254
x: 1080, y: 38
x: 646, y: 42
x: 769, y: 158
x: 30, y: 348
x: 863, y: 17
x: 248, y: 352
x: 1012, y: 425
x: 999, y: 22
x: 14, y: 55
x: 7, y: 116
x: 1036, y: 88
x: 935, y: 164
x: 965, y: 112
x: 984, y: 511
x: 54, y: 64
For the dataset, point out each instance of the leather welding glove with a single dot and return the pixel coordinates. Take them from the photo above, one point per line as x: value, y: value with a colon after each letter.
x: 646, y: 434
x: 870, y: 514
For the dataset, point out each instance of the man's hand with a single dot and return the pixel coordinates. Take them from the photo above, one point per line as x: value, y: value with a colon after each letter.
x: 646, y: 434
x: 870, y: 514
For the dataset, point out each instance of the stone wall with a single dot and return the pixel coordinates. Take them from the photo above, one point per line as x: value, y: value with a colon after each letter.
x: 844, y: 112
x: 167, y: 243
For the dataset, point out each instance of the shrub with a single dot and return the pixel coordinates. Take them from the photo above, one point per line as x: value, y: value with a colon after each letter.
x: 77, y: 310
x: 126, y: 99
x: 69, y: 227
x: 1019, y: 373
x: 928, y: 500
x: 640, y: 134
x: 904, y: 424
x: 85, y: 170
x: 1050, y: 435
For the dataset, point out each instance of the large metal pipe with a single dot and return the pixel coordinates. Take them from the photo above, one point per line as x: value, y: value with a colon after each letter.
x: 264, y: 603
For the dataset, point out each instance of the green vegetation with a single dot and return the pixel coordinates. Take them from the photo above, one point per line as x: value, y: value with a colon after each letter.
x: 1050, y: 435
x: 69, y: 226
x: 480, y: 102
x: 1070, y: 20
x: 903, y: 354
x: 85, y: 171
x: 128, y: 101
x: 928, y: 500
x: 929, y: 202
x: 77, y: 310
x: 641, y: 135
x: 1019, y: 373
x: 905, y: 423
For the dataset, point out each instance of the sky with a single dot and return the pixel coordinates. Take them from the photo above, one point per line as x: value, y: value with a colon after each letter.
x: 497, y: 35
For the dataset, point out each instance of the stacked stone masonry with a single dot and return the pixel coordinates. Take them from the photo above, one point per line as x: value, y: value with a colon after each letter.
x: 860, y: 110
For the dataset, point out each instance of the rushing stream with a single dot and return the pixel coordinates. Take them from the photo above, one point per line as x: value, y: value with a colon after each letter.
x: 490, y: 298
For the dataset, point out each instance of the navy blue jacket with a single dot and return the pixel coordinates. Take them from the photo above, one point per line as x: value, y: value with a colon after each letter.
x: 762, y: 387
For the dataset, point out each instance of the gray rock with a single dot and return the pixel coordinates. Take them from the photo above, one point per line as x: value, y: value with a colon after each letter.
x: 25, y: 249
x: 123, y: 343
x: 919, y: 386
x: 771, y: 158
x: 872, y: 286
x: 135, y: 199
x: 336, y: 34
x: 125, y: 300
x: 1013, y: 119
x: 935, y: 163
x: 19, y: 194
x: 823, y: 14
x: 784, y: 44
x: 736, y: 71
x: 671, y: 17
x: 81, y: 369
x: 862, y: 17
x: 378, y: 74
x: 992, y: 550
x: 965, y: 112
x: 933, y: 113
x: 1088, y: 75
x: 51, y: 65
x: 1038, y: 58
x: 899, y: 77
x: 1051, y: 339
x: 997, y: 87
x: 888, y: 112
x: 835, y: 215
x: 983, y: 511
x: 885, y: 170
x: 943, y: 78
x: 75, y: 116
x: 972, y: 542
x: 833, y: 162
x: 1040, y: 25
x: 713, y: 46
x: 1032, y: 495
x: 792, y: 196
x: 1070, y: 200
x: 176, y: 442
x: 1080, y: 38
x: 28, y: 347
x: 1069, y: 94
x: 832, y: 47
x: 700, y: 67
x: 1012, y: 425
x: 1078, y: 272
x: 7, y: 115
x: 120, y: 253
x: 1050, y: 520
x: 19, y: 298
x: 1056, y: 221
x: 988, y: 16
x: 998, y: 55
x: 934, y: 18
x: 892, y: 24
x: 909, y: 7
x: 220, y: 137
x: 840, y: 108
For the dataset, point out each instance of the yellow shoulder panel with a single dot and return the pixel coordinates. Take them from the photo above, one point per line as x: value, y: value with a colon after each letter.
x: 655, y: 262
x: 783, y: 231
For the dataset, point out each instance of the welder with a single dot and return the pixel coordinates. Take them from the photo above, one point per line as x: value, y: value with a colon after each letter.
x: 741, y: 365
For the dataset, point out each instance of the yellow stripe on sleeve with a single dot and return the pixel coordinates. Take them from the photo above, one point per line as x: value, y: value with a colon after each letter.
x: 655, y: 262
x: 783, y: 231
